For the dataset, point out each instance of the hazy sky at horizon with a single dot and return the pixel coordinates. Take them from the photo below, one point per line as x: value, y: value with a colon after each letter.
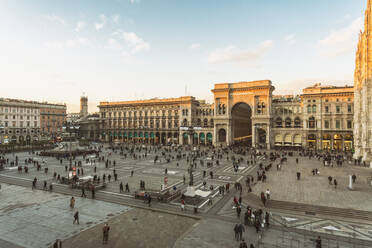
x: 137, y: 49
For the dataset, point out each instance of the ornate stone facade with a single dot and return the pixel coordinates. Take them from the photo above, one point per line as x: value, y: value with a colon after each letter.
x: 321, y: 118
x: 363, y: 91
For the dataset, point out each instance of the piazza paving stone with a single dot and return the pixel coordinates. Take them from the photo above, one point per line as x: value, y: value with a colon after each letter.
x: 37, y: 218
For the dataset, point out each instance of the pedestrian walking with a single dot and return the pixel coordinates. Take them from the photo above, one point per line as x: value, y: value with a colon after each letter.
x: 268, y: 194
x: 105, y: 230
x: 121, y: 187
x: 318, y: 242
x: 330, y: 180
x: 72, y: 202
x: 236, y: 231
x: 93, y: 193
x: 76, y: 217
x: 241, y: 229
x: 83, y: 192
x: 335, y: 183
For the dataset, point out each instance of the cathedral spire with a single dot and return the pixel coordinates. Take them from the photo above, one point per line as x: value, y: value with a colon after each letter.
x: 368, y: 17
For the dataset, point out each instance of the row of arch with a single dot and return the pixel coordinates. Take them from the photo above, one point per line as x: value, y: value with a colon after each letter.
x: 197, y: 138
x: 288, y: 139
x: 332, y: 142
x: 199, y: 123
x: 158, y: 137
x: 297, y: 123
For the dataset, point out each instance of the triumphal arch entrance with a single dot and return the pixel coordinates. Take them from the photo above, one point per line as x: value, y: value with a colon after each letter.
x: 242, y: 113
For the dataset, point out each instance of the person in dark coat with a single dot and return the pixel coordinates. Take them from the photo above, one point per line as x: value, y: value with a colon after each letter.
x: 76, y: 217
x: 241, y: 229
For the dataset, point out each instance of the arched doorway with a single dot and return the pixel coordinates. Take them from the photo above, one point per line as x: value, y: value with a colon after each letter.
x: 185, y: 139
x: 311, y: 141
x: 202, y: 138
x: 195, y: 140
x: 326, y: 142
x: 337, y: 142
x: 222, y: 135
x: 157, y: 138
x: 209, y: 138
x: 241, y: 127
x: 348, y: 143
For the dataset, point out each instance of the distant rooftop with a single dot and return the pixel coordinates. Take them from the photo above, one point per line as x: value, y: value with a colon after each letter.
x: 28, y: 101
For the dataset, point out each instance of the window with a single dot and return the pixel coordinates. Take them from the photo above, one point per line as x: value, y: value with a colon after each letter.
x: 349, y: 108
x: 349, y: 99
x: 311, y: 122
x: 326, y: 100
x: 314, y: 108
x: 338, y: 124
x: 288, y: 122
x: 6, y: 124
x: 14, y: 123
x: 13, y: 117
x: 349, y: 124
x: 308, y: 100
x: 278, y: 122
x: 205, y: 122
x: 314, y: 100
x: 308, y: 108
x: 326, y: 109
x: 21, y: 123
x: 326, y: 124
x: 337, y: 99
x: 297, y: 122
x: 338, y: 109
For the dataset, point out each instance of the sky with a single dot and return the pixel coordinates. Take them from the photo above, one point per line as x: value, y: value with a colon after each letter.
x: 116, y: 50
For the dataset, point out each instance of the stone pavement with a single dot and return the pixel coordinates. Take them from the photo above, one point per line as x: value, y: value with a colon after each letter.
x: 214, y: 233
x: 316, y: 190
x: 36, y: 218
x: 135, y: 228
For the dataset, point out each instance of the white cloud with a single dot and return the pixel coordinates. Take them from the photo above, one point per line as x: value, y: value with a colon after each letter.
x: 80, y: 25
x: 135, y: 43
x: 79, y: 41
x: 55, y: 18
x: 290, y: 39
x: 342, y: 41
x: 115, y: 19
x: 234, y: 54
x: 101, y: 24
x: 194, y: 46
x: 72, y: 43
x: 113, y: 44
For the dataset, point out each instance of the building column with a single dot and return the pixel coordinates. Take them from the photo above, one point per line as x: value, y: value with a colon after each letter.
x: 228, y: 134
x: 254, y: 129
x: 268, y: 145
x: 214, y: 138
